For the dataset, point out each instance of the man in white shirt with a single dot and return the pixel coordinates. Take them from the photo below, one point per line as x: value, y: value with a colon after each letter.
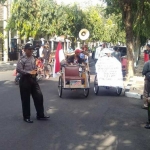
x: 41, y: 51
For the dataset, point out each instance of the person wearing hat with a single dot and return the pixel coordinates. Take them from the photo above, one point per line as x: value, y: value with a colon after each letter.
x: 28, y: 85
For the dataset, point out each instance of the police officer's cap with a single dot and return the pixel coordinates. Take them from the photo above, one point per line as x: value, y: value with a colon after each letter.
x: 29, y: 46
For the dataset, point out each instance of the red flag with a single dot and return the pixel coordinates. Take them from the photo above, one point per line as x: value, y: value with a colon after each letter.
x: 57, y: 59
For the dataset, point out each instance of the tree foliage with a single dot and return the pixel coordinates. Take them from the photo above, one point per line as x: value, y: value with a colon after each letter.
x: 136, y: 20
x: 37, y: 18
x: 2, y: 1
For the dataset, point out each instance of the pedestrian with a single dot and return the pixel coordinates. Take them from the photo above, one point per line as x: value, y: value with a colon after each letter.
x: 147, y: 53
x: 41, y: 50
x: 93, y: 51
x: 28, y: 85
x: 116, y: 54
x: 99, y: 52
x: 46, y: 56
x: 36, y: 50
x: 146, y: 73
x: 22, y: 51
x: 70, y: 50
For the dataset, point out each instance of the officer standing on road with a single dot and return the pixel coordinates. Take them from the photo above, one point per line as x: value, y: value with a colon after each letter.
x: 29, y: 86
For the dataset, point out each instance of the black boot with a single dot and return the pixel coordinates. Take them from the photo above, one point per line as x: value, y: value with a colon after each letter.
x: 42, y: 117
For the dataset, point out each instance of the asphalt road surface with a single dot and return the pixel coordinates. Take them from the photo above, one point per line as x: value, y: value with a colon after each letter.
x: 103, y: 122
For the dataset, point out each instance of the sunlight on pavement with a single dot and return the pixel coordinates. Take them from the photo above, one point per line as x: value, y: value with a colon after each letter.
x: 52, y: 110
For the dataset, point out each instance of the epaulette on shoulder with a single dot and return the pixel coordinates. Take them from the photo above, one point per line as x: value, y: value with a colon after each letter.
x: 22, y: 57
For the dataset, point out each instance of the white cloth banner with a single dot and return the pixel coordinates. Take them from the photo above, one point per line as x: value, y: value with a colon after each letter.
x: 109, y: 72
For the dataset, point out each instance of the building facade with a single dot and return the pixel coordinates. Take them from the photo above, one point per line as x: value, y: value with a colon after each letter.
x: 1, y: 31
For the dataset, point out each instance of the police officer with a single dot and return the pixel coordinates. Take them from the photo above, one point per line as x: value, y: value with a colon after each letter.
x: 29, y: 86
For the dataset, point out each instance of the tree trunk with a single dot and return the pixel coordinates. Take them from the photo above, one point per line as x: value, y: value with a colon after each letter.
x: 137, y: 49
x: 129, y: 38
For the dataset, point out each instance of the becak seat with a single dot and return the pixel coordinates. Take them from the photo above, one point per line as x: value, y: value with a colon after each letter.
x: 72, y: 73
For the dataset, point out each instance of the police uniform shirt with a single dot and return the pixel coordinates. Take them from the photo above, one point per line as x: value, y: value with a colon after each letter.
x: 26, y: 64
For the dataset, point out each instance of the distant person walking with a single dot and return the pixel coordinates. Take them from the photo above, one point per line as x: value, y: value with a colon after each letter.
x: 41, y: 50
x: 116, y: 54
x: 147, y: 53
x: 46, y: 56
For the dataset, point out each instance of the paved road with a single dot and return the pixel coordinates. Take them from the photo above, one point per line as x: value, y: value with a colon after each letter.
x: 103, y: 122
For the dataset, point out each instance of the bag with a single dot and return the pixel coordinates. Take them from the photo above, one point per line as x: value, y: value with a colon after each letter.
x: 148, y: 76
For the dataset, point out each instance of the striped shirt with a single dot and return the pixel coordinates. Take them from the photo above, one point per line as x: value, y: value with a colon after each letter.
x: 26, y: 64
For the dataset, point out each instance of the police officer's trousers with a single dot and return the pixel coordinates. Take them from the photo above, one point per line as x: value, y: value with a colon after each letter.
x: 146, y: 92
x: 29, y: 86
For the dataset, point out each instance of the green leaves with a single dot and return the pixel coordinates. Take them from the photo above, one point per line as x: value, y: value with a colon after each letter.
x: 140, y: 15
x: 44, y: 17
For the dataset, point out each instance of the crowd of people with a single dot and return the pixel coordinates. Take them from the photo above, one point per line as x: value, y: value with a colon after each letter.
x: 98, y: 52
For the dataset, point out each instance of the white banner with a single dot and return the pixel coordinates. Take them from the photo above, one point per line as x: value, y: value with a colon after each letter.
x: 109, y: 72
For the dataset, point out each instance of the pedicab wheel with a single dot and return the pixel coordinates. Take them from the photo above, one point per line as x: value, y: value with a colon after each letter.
x: 96, y: 87
x: 118, y: 91
x: 60, y: 86
x: 86, y: 92
x: 89, y: 77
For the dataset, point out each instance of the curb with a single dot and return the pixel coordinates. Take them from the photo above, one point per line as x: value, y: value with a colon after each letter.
x: 131, y: 94
x: 8, y: 63
x: 127, y: 88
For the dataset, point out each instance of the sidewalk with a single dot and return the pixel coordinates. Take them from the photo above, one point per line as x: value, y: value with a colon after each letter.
x: 134, y: 88
x: 6, y: 66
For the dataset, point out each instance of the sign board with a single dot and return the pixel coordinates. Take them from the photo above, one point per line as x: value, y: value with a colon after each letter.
x: 75, y: 84
x: 109, y: 72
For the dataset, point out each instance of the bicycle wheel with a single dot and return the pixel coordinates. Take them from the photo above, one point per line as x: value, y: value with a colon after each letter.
x: 86, y: 92
x: 60, y: 86
x: 118, y: 91
x: 50, y: 69
x: 96, y: 87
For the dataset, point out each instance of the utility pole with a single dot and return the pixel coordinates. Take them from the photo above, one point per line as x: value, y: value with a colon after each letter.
x: 5, y: 33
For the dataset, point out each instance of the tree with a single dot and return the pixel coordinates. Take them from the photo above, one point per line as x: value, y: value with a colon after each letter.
x: 128, y: 10
x: 2, y: 1
x: 94, y: 23
x: 136, y: 20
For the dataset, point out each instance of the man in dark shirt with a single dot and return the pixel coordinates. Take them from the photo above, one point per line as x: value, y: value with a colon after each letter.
x: 116, y: 54
x: 46, y: 56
